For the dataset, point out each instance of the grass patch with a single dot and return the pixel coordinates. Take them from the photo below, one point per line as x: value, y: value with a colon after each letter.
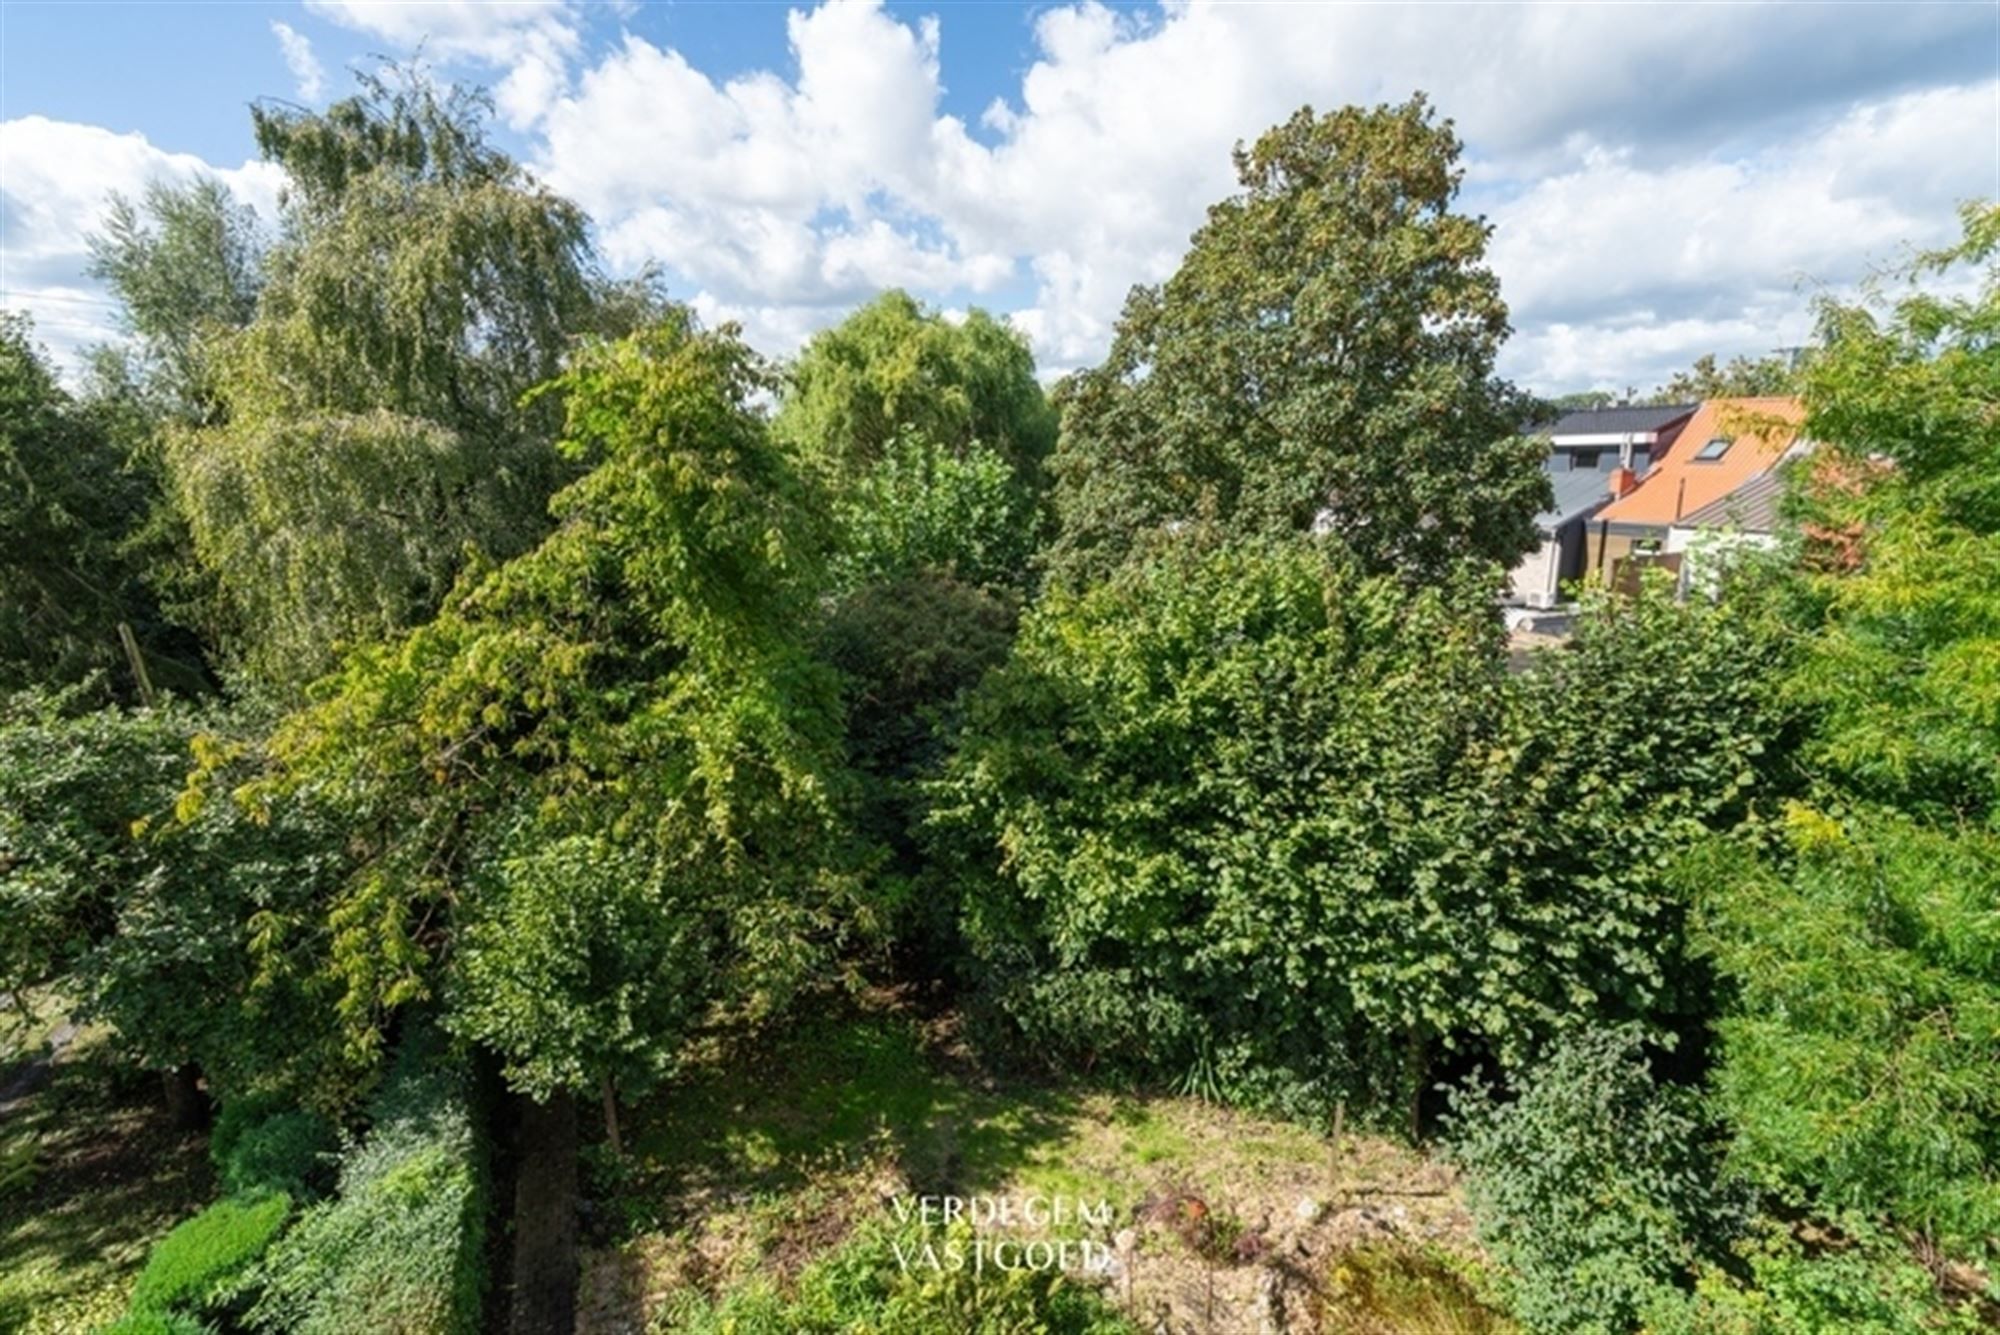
x: 1396, y: 1289
x: 751, y: 1175
x: 110, y: 1178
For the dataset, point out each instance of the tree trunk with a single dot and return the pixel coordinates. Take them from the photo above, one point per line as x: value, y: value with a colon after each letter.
x: 187, y: 1106
x: 545, y: 1219
x: 611, y: 1118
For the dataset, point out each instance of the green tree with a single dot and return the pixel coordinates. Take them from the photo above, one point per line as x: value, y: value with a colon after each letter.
x: 597, y: 798
x: 72, y: 500
x: 371, y: 431
x: 893, y: 369
x: 185, y: 263
x: 1857, y: 1066
x: 1741, y: 377
x: 1323, y: 357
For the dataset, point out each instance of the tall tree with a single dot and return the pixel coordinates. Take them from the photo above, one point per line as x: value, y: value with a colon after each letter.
x: 1323, y: 357
x: 72, y: 498
x: 894, y: 369
x: 597, y: 797
x: 185, y: 263
x: 371, y: 430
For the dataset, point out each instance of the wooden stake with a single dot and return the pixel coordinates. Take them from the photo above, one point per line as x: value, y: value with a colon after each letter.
x: 138, y: 662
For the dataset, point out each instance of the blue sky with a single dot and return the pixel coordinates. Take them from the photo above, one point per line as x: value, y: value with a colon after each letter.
x: 1663, y: 181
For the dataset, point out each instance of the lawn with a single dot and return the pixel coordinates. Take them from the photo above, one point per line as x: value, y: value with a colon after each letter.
x: 761, y: 1163
x: 90, y: 1176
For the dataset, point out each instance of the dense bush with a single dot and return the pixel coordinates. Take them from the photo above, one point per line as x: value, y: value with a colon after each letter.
x: 909, y: 649
x: 1249, y: 818
x: 198, y: 1266
x: 1594, y: 1188
x: 1859, y: 1060
x: 148, y: 918
x: 262, y: 1144
x: 919, y: 506
x: 861, y: 1285
x: 401, y: 1247
x: 1852, y: 1278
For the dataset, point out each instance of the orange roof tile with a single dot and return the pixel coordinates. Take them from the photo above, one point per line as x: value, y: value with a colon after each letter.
x: 1760, y: 431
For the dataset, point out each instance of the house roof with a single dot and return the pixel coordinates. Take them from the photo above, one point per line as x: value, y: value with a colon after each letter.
x: 1616, y: 421
x: 1578, y: 491
x: 1751, y: 508
x: 1759, y: 432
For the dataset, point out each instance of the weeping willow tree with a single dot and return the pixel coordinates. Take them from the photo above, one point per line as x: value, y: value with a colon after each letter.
x: 369, y: 431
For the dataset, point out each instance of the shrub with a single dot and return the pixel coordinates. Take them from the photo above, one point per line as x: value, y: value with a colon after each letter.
x: 1854, y: 1279
x: 401, y: 1246
x: 1857, y: 1067
x: 1246, y: 819
x: 1595, y: 1188
x: 197, y: 1266
x: 259, y: 1144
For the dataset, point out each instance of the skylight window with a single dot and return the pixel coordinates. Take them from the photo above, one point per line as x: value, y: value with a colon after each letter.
x: 1712, y: 451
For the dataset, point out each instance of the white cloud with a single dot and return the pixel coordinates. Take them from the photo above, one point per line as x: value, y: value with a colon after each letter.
x: 307, y: 73
x: 56, y: 179
x: 1634, y: 158
x: 1616, y: 272
x: 530, y: 42
x: 1664, y: 180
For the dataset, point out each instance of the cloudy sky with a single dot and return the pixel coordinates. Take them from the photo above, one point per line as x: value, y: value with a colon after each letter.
x: 1663, y: 180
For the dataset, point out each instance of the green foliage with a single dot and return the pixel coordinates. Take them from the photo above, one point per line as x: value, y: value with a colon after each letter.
x: 909, y: 650
x: 1859, y: 935
x: 73, y: 783
x: 1741, y: 377
x: 1595, y: 1187
x: 150, y: 918
x: 864, y: 1286
x: 893, y: 369
x: 260, y: 1144
x: 918, y: 506
x: 156, y: 1323
x: 634, y: 694
x: 185, y: 263
x: 72, y: 497
x: 1858, y: 1063
x: 370, y: 430
x: 401, y: 1247
x: 1323, y: 357
x: 197, y: 1267
x: 1856, y: 1280
x: 1256, y: 815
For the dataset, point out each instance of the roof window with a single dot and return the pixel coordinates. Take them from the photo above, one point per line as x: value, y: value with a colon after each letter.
x: 1712, y: 451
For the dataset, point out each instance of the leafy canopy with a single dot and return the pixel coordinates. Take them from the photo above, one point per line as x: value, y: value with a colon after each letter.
x: 1323, y: 357
x: 370, y: 429
x: 893, y: 368
x: 598, y: 795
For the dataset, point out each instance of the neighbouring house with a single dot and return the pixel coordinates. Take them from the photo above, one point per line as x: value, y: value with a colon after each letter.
x: 1595, y: 456
x: 1708, y: 540
x: 1725, y: 446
